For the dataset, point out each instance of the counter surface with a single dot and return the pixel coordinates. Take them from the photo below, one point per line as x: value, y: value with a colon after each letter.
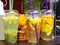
x: 56, y: 41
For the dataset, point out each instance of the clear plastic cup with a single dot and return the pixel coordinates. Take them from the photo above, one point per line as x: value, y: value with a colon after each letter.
x: 47, y: 25
x: 10, y: 28
x: 33, y: 25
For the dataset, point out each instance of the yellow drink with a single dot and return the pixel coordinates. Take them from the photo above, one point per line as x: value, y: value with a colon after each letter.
x: 47, y: 25
x: 33, y: 24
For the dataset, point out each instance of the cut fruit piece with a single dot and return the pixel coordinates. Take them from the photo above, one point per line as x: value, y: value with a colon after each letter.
x: 31, y: 26
x: 43, y: 28
x: 36, y: 21
x: 50, y: 21
x: 47, y: 24
x: 22, y: 20
x: 48, y: 30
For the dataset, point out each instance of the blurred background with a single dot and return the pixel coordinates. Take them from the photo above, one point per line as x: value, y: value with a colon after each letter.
x: 23, y: 5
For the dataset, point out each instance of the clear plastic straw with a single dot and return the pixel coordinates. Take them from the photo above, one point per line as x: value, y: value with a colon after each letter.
x: 11, y: 5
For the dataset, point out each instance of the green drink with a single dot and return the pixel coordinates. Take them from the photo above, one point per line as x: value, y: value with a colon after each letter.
x: 10, y: 28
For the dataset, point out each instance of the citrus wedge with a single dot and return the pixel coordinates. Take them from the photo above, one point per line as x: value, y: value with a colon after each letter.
x: 48, y: 29
x: 31, y: 26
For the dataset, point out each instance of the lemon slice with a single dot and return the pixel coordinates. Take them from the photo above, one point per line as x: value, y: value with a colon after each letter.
x: 35, y: 21
x: 48, y: 29
x: 47, y: 24
x: 31, y: 26
x: 50, y: 21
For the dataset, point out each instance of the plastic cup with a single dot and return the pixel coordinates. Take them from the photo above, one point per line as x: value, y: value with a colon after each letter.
x: 47, y: 26
x: 10, y: 28
x: 33, y: 25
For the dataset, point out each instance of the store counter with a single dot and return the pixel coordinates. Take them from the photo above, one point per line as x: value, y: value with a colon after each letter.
x: 41, y: 42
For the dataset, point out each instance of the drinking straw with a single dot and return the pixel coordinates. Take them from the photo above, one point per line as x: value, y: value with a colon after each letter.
x: 11, y: 5
x: 36, y: 33
x: 31, y: 8
x: 46, y: 6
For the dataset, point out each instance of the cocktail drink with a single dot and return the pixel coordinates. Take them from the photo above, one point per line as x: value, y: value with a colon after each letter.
x: 33, y: 25
x: 10, y: 28
x: 47, y: 25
